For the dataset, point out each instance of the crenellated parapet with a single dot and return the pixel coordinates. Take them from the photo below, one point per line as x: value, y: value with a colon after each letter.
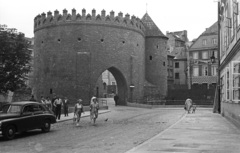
x: 56, y: 19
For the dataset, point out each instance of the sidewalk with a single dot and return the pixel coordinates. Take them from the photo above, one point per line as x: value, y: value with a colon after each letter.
x: 85, y: 114
x: 202, y: 132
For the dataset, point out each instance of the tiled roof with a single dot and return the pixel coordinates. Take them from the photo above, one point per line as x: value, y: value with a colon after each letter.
x: 179, y: 35
x: 151, y: 28
x: 209, y: 34
x: 211, y: 30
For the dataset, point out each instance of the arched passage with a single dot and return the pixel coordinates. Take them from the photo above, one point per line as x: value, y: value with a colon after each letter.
x: 119, y: 87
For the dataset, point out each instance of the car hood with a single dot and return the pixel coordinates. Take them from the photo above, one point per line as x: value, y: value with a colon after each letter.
x: 8, y: 116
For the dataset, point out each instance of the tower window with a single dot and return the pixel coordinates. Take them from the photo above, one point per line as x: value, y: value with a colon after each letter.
x: 150, y: 57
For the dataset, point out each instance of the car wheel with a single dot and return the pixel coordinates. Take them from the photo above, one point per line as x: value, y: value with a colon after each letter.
x: 9, y: 132
x: 46, y: 126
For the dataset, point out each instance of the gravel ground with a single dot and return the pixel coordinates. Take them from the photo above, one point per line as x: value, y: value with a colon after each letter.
x: 125, y: 128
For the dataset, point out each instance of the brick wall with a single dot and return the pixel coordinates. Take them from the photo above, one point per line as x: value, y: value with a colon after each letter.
x: 70, y: 58
x: 156, y: 63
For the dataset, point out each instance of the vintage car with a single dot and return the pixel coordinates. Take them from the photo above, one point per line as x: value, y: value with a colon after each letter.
x: 22, y: 116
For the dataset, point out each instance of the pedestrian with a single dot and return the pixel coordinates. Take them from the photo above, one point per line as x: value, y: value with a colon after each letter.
x: 58, y: 106
x: 94, y: 107
x: 32, y: 98
x: 65, y: 106
x: 116, y: 99
x: 42, y: 100
x: 53, y: 107
x: 188, y: 105
x: 78, y: 110
x: 48, y: 103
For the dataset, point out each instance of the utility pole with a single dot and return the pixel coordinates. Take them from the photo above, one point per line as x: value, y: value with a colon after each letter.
x: 219, y: 89
x: 217, y: 99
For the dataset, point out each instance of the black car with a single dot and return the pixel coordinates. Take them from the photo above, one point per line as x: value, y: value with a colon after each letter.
x: 19, y: 117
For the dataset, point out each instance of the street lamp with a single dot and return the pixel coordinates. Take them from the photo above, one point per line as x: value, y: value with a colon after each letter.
x: 212, y: 58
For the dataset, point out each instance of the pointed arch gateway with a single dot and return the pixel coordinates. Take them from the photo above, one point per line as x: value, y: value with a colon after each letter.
x: 121, y: 88
x: 121, y: 85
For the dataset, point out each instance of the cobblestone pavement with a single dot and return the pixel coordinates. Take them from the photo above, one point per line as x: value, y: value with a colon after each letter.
x: 125, y: 128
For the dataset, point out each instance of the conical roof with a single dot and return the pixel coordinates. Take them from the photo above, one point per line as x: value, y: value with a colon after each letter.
x: 151, y: 28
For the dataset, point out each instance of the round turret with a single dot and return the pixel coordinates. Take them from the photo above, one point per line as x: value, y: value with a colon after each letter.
x: 71, y: 51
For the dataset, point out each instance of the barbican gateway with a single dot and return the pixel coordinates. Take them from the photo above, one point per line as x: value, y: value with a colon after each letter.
x: 71, y: 51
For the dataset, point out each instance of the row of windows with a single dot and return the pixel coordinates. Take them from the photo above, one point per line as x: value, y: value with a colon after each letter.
x: 170, y: 63
x: 204, y: 54
x: 102, y: 40
x: 230, y: 82
x: 213, y: 41
x: 205, y: 71
x: 230, y: 20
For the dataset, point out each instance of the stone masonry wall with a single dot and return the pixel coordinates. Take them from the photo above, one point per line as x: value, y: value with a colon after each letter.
x: 72, y: 51
x: 156, y: 63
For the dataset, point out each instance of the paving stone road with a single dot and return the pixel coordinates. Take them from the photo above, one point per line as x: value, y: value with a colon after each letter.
x: 126, y: 127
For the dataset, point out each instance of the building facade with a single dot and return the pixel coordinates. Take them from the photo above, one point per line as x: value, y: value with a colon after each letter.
x: 229, y: 20
x: 170, y: 77
x: 177, y: 47
x: 203, y: 70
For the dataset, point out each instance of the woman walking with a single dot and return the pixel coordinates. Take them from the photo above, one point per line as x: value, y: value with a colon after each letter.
x: 48, y: 103
x: 188, y: 105
x: 94, y: 106
x: 78, y: 110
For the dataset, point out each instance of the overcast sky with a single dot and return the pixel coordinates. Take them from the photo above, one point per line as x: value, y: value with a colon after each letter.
x: 169, y: 15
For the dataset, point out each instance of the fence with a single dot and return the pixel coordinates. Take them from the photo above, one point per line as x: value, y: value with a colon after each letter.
x: 196, y: 102
x: 202, y: 102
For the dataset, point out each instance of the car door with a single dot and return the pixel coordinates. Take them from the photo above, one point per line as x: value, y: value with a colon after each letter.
x: 27, y: 118
x: 38, y: 115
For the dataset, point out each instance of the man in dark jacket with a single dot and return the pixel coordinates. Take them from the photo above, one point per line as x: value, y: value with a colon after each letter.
x: 65, y: 106
x: 116, y: 99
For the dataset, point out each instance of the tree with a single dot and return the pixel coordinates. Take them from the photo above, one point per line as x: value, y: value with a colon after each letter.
x: 15, y: 58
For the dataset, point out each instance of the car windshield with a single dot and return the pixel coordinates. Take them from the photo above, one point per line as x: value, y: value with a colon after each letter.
x: 5, y: 108
x: 11, y: 109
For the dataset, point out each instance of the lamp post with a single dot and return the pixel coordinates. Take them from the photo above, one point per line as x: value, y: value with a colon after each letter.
x: 131, y: 91
x: 190, y: 71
